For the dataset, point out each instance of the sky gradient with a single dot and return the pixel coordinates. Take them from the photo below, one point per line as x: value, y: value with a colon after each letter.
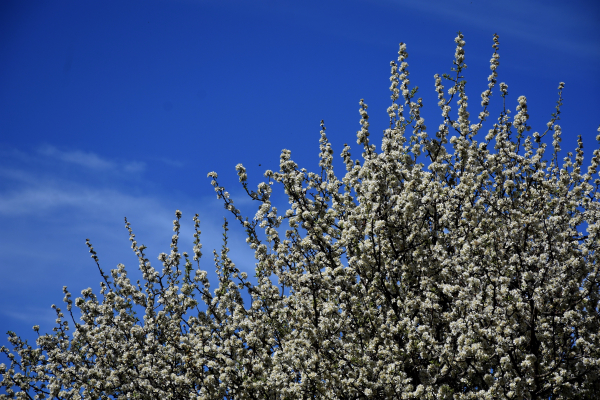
x: 119, y: 109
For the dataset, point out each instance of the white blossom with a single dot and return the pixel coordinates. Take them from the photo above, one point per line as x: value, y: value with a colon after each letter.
x: 475, y: 277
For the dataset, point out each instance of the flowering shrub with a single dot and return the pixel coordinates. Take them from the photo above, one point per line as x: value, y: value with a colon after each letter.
x: 467, y: 278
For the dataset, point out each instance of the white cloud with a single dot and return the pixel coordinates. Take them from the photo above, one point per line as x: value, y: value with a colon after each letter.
x: 524, y: 24
x: 32, y: 315
x: 171, y: 163
x: 134, y: 167
x: 40, y: 198
x: 88, y: 160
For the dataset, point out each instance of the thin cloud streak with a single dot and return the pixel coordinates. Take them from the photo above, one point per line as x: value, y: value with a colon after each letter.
x: 33, y: 200
x: 89, y: 160
x: 32, y: 315
x: 515, y: 24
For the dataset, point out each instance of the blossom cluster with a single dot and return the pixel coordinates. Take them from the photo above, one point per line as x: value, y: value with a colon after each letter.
x: 474, y: 275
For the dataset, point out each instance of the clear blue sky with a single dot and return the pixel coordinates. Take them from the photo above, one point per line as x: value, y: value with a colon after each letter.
x: 120, y: 108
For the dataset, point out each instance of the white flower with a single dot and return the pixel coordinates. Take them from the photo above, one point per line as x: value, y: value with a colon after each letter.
x: 458, y: 272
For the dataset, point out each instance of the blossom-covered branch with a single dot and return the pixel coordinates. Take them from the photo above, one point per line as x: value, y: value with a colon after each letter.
x: 471, y: 276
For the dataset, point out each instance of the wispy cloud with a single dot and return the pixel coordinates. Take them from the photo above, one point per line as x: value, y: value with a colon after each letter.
x: 32, y: 315
x: 171, y: 163
x: 134, y: 167
x: 90, y: 160
x: 514, y: 18
x: 41, y: 197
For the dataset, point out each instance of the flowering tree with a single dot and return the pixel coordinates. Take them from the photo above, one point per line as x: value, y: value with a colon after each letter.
x: 466, y: 278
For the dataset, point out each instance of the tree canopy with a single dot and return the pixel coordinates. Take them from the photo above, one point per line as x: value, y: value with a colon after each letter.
x: 458, y: 265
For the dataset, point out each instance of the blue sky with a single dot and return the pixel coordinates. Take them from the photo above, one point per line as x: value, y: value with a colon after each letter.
x: 112, y: 109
